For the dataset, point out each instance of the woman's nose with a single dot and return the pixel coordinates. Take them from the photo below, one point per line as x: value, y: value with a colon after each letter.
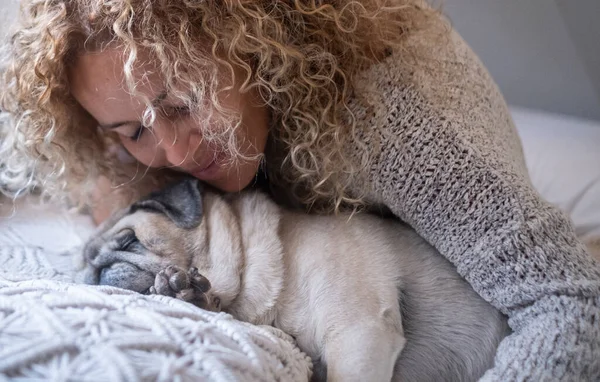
x: 177, y: 144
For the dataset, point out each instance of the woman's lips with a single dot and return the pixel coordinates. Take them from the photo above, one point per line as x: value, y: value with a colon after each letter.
x: 208, y: 172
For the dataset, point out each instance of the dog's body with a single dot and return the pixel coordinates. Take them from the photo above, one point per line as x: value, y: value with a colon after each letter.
x: 366, y: 296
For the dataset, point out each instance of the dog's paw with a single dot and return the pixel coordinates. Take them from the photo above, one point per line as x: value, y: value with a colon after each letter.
x: 189, y: 286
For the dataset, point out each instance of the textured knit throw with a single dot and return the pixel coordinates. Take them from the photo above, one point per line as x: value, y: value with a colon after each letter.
x: 52, y: 329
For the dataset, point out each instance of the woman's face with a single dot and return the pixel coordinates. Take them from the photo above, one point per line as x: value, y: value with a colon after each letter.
x: 174, y: 140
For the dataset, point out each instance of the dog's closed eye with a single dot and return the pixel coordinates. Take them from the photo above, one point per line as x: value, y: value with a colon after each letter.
x: 127, y: 241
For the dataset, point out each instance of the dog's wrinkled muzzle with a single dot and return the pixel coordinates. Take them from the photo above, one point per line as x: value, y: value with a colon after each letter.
x: 126, y: 276
x: 111, y: 268
x: 121, y: 275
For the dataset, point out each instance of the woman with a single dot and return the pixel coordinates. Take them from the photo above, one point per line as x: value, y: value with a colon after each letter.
x: 345, y: 104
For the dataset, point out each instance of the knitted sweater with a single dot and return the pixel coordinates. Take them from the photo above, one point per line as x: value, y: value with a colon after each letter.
x: 449, y: 162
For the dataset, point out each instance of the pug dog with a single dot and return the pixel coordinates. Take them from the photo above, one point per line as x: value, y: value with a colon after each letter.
x: 365, y: 297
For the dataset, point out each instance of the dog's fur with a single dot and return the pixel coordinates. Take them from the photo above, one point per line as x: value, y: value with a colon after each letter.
x: 365, y: 296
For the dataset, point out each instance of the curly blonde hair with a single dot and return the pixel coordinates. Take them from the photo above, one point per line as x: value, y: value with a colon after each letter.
x: 301, y: 55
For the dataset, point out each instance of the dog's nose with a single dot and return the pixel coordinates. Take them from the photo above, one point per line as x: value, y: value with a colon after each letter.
x: 126, y: 276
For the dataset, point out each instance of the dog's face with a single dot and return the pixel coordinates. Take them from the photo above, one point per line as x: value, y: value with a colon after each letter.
x: 138, y: 242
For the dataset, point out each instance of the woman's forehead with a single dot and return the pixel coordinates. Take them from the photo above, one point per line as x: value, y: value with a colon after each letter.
x: 98, y: 82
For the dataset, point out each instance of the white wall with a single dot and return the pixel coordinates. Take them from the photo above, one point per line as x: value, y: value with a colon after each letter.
x: 544, y: 54
x: 8, y: 13
x: 581, y: 17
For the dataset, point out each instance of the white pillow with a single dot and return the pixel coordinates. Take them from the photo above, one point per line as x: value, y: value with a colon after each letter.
x: 563, y: 157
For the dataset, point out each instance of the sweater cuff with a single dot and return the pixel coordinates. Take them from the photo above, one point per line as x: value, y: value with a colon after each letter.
x: 555, y: 339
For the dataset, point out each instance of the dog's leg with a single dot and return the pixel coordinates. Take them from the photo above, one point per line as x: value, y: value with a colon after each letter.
x: 363, y: 352
x: 189, y: 286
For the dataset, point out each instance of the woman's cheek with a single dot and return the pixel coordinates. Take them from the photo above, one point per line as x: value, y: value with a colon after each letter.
x: 142, y: 152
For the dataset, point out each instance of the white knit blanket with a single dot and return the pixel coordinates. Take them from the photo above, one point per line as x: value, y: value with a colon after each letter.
x: 54, y: 329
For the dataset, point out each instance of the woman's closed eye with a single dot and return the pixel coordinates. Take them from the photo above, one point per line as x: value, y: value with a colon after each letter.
x: 131, y: 131
x: 134, y: 132
x: 169, y: 112
x: 137, y: 134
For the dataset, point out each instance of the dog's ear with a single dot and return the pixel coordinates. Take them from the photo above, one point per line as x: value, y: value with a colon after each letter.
x: 181, y: 202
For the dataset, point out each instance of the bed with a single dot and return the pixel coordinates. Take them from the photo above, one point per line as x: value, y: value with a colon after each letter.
x: 54, y: 329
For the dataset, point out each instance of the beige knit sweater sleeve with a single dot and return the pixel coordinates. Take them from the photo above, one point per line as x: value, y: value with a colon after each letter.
x: 448, y: 161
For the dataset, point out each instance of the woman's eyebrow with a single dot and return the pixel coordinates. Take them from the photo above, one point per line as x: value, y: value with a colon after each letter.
x: 159, y: 98
x: 157, y: 101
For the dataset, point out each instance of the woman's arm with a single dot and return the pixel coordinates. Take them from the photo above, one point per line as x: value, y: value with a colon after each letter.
x: 450, y: 164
